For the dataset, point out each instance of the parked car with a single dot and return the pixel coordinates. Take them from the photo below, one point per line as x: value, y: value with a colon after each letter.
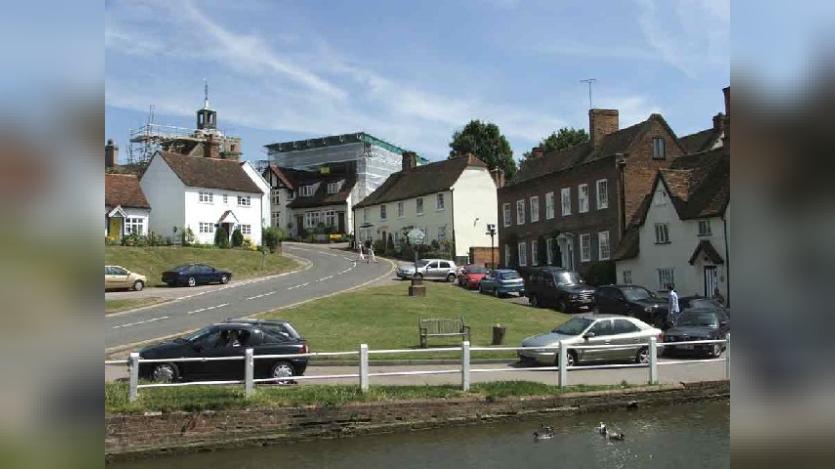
x: 230, y: 338
x: 700, y: 302
x: 593, y: 329
x: 560, y: 288
x: 698, y: 324
x: 437, y: 269
x: 195, y: 274
x: 470, y: 276
x: 116, y: 276
x: 635, y: 301
x: 500, y: 282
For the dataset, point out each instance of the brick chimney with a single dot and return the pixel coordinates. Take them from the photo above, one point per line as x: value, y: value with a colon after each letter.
x: 409, y: 160
x: 111, y: 154
x: 537, y: 152
x: 211, y: 148
x: 498, y: 177
x: 726, y: 140
x: 719, y: 122
x: 601, y: 123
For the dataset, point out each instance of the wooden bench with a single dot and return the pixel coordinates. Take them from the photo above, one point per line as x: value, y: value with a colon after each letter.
x: 442, y: 328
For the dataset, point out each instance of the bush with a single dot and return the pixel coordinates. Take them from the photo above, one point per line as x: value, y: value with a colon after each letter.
x: 186, y: 236
x: 237, y: 238
x: 271, y: 237
x: 221, y: 237
x: 154, y: 239
x: 134, y: 239
x: 379, y: 246
x: 390, y: 245
x: 247, y: 244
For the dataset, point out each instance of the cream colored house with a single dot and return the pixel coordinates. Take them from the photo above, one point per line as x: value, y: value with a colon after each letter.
x: 451, y: 201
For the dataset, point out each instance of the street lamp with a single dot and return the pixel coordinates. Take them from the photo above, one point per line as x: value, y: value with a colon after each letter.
x: 416, y: 237
x: 491, y: 230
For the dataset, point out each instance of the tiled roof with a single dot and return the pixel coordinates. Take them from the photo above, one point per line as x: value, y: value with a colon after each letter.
x: 211, y: 173
x: 700, y: 141
x: 629, y: 245
x: 321, y: 198
x: 289, y: 176
x: 124, y: 190
x: 707, y: 248
x: 421, y: 180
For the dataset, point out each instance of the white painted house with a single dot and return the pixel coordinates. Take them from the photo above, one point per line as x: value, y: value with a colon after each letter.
x: 126, y: 210
x: 203, y: 194
x: 451, y: 200
x: 680, y: 233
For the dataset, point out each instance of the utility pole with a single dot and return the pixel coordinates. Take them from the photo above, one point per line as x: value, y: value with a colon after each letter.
x: 491, y: 230
x: 589, y: 81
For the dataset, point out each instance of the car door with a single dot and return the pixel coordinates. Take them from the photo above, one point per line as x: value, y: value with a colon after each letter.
x: 120, y: 277
x: 548, y: 287
x: 603, y: 298
x: 625, y: 333
x: 231, y: 342
x: 443, y: 269
x: 108, y: 277
x: 487, y: 281
x: 602, y: 335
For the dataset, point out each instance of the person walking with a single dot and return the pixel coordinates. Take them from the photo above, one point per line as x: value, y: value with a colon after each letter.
x: 361, y: 255
x: 674, y: 309
x: 371, y: 257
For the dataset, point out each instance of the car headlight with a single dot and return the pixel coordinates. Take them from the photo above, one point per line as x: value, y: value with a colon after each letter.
x: 648, y: 309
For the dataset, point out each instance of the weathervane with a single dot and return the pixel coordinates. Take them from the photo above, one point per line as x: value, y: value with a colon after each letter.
x: 205, y: 94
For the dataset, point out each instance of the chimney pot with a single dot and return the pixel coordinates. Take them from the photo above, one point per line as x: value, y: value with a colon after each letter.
x: 111, y: 154
x: 498, y: 177
x: 601, y: 123
x: 537, y: 152
x: 409, y: 160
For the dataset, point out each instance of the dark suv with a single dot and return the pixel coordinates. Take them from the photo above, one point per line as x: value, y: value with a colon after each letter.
x: 560, y: 288
x: 635, y: 301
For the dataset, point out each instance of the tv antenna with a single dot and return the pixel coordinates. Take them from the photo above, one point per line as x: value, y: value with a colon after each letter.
x: 590, y: 81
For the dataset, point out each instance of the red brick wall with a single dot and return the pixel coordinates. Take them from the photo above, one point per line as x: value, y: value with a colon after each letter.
x: 481, y: 255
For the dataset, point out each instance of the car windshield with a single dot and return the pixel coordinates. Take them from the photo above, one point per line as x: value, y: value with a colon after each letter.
x: 701, y: 303
x: 475, y: 269
x: 199, y: 334
x: 698, y: 319
x: 422, y: 263
x: 181, y: 268
x: 574, y: 326
x: 636, y: 293
x: 568, y: 278
x: 508, y: 275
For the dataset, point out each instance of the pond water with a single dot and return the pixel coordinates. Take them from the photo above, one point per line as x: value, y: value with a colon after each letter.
x: 684, y: 436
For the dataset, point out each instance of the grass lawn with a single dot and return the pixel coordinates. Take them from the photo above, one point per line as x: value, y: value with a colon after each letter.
x: 386, y: 317
x: 153, y: 261
x: 198, y: 398
x: 114, y: 306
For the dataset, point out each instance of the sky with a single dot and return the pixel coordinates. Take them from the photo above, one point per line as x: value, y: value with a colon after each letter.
x: 412, y: 72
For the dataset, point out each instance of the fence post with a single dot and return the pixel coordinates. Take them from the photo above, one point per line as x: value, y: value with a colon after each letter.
x: 563, y: 364
x: 653, y: 360
x: 133, y: 369
x: 728, y: 356
x: 465, y: 365
x: 364, y: 367
x: 249, y: 372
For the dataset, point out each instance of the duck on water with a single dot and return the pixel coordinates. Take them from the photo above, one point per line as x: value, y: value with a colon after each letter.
x: 545, y: 432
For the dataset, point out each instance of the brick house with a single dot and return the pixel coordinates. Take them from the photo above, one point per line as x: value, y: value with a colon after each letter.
x: 568, y: 208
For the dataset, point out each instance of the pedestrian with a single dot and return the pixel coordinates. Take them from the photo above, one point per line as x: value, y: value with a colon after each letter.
x: 371, y: 257
x: 361, y: 255
x: 674, y: 310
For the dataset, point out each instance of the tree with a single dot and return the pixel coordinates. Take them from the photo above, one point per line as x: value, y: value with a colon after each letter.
x: 221, y: 237
x: 237, y: 238
x: 272, y: 236
x: 560, y: 140
x: 485, y: 141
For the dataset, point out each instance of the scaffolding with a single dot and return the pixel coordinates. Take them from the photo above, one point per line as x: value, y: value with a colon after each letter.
x: 150, y: 138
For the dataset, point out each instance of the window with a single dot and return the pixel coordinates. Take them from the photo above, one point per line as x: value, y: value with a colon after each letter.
x: 419, y: 205
x: 439, y: 201
x: 602, y: 194
x: 660, y: 198
x: 276, y: 218
x: 534, y: 208
x: 520, y: 212
x: 662, y: 233
x: 400, y: 209
x: 704, y: 228
x: 206, y: 197
x: 523, y: 254
x: 603, y: 245
x: 441, y: 233
x: 306, y: 191
x: 226, y: 199
x: 665, y: 278
x: 534, y: 252
x: 549, y: 205
x: 583, y: 198
x: 565, y: 197
x: 291, y: 195
x: 627, y: 277
x: 549, y: 251
x: 506, y: 215
x: 585, y: 247
x: 244, y: 201
x: 276, y: 197
x: 658, y: 149
x: 134, y: 226
x: 624, y: 326
x: 507, y: 254
x: 246, y: 229
x: 365, y: 214
x: 333, y: 187
x: 330, y: 218
x: 311, y: 219
x: 206, y: 227
x: 383, y: 213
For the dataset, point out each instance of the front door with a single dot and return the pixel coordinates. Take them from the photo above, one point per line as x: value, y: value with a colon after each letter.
x: 114, y: 228
x: 711, y: 280
x: 566, y: 253
x: 299, y: 225
x: 340, y: 221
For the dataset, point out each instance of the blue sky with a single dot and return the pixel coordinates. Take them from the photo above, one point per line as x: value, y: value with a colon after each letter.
x: 412, y: 72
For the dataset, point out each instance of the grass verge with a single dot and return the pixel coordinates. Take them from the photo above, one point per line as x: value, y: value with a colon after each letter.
x: 114, y: 306
x: 198, y: 398
x: 153, y: 261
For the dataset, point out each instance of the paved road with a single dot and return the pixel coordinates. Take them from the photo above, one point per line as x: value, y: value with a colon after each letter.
x: 330, y: 271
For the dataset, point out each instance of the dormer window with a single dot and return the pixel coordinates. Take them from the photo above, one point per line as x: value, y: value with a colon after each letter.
x: 333, y: 187
x: 306, y: 191
x: 659, y: 151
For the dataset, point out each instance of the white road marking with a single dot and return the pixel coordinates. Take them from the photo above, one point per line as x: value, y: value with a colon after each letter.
x: 207, y: 308
x: 261, y: 295
x: 140, y: 322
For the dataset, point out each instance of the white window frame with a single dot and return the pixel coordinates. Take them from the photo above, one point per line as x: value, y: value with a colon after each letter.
x: 522, y: 253
x: 520, y: 212
x: 662, y: 233
x: 276, y: 218
x: 627, y: 277
x: 244, y: 201
x: 604, y: 250
x: 306, y: 190
x: 534, y: 252
x: 440, y: 202
x: 441, y: 233
x: 206, y: 197
x: 549, y: 205
x: 246, y: 229
x: 666, y: 276
x: 507, y: 254
x: 549, y: 250
x: 534, y: 201
x: 135, y: 225
x: 312, y: 219
x: 330, y: 218
x: 507, y: 215
x: 383, y: 212
x: 565, y: 201
x: 585, y: 247
x: 419, y: 205
x: 602, y: 186
x: 582, y: 198
x: 401, y: 209
x: 705, y: 224
x: 659, y: 148
x: 365, y: 214
x: 276, y: 199
x: 225, y: 199
x: 333, y: 187
x: 206, y: 227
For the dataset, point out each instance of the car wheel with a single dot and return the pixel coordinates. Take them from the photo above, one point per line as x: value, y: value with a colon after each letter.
x: 192, y: 282
x: 642, y: 356
x: 224, y: 279
x: 496, y: 293
x: 164, y: 373
x: 562, y: 306
x: 138, y: 285
x: 716, y: 350
x: 534, y: 301
x: 570, y: 357
x: 282, y: 371
x: 450, y: 278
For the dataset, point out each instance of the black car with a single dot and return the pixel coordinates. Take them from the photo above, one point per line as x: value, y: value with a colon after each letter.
x: 560, y: 288
x: 230, y: 338
x: 635, y: 301
x: 195, y: 274
x: 698, y: 324
x: 700, y: 302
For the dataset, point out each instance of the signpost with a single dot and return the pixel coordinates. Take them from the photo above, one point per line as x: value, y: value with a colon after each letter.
x: 491, y: 230
x: 416, y: 237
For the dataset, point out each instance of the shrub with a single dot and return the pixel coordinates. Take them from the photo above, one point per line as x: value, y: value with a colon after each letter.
x: 379, y: 246
x: 154, y: 239
x: 221, y: 237
x: 390, y: 245
x: 134, y: 239
x: 271, y: 237
x: 186, y: 236
x: 247, y: 244
x: 237, y: 238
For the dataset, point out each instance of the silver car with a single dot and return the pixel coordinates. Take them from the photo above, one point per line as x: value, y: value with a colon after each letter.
x: 438, y: 269
x: 593, y: 329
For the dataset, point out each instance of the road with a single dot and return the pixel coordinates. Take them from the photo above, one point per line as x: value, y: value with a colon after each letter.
x: 330, y: 271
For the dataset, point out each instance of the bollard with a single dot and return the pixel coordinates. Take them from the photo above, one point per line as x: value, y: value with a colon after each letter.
x: 133, y: 369
x: 728, y: 356
x: 364, y: 367
x: 465, y: 365
x: 563, y: 364
x: 249, y: 368
x: 653, y: 360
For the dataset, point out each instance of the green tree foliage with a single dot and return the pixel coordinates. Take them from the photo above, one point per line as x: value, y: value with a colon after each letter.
x: 237, y: 238
x: 560, y: 140
x: 272, y: 236
x: 485, y: 141
x: 186, y: 236
x: 221, y: 237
